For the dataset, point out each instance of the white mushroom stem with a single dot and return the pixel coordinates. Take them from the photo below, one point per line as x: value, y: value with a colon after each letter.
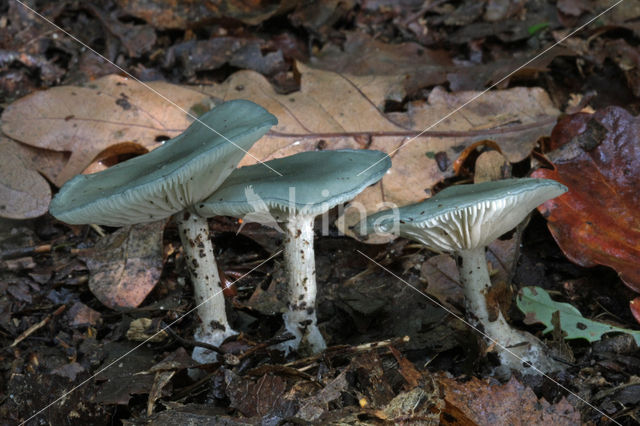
x: 300, y: 318
x: 198, y: 249
x: 526, y: 347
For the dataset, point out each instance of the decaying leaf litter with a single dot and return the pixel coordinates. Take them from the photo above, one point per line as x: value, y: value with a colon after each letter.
x: 301, y: 63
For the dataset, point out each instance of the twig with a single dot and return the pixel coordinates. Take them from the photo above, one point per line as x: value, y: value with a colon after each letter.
x: 29, y: 331
x: 98, y: 229
x: 25, y: 251
x: 414, y: 134
x: 190, y: 343
x: 350, y: 349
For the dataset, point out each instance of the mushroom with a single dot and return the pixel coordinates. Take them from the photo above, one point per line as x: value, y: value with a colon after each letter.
x: 170, y: 180
x: 310, y: 185
x: 464, y: 219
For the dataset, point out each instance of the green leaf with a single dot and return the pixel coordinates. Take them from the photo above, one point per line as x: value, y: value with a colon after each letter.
x: 537, y: 27
x: 538, y: 307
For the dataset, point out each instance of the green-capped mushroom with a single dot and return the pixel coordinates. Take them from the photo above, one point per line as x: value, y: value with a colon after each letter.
x: 170, y: 180
x: 464, y: 219
x: 310, y: 185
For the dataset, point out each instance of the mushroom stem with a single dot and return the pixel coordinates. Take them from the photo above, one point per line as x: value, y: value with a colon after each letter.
x: 526, y: 347
x: 198, y: 249
x: 300, y: 318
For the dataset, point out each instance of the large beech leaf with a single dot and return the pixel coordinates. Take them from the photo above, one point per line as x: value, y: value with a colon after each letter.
x: 331, y: 111
x: 597, y: 221
x: 24, y: 193
x: 87, y: 120
x: 538, y: 307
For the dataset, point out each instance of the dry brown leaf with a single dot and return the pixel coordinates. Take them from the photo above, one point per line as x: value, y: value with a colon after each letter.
x: 169, y: 14
x: 86, y: 120
x: 487, y: 403
x: 81, y: 315
x: 334, y: 111
x: 413, y: 65
x: 144, y: 329
x: 161, y: 380
x: 331, y: 111
x: 24, y: 193
x: 443, y: 281
x: 126, y: 265
x: 491, y: 165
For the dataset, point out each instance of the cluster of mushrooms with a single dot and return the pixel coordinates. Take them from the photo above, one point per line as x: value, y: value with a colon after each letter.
x: 193, y: 177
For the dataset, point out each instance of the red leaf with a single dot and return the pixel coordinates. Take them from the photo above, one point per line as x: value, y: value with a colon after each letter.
x: 634, y: 305
x: 597, y: 221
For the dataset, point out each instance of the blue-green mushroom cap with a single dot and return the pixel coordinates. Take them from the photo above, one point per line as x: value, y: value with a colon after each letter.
x: 169, y: 179
x: 312, y: 182
x: 464, y: 217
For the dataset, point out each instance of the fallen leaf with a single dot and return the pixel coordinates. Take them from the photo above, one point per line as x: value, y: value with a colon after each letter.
x: 371, y: 379
x: 24, y: 193
x: 490, y: 166
x: 573, y: 7
x: 416, y: 67
x: 82, y: 315
x: 319, y: 18
x: 596, y: 222
x: 409, y: 63
x: 538, y: 307
x: 487, y: 402
x: 143, y: 329
x: 314, y: 407
x: 416, y: 406
x: 257, y: 397
x: 126, y: 265
x: 70, y: 371
x: 516, y: 28
x: 20, y: 291
x: 167, y: 14
x: 406, y: 368
x: 119, y: 385
x: 443, y: 281
x: 196, y: 415
x: 86, y: 120
x: 136, y: 39
x: 634, y: 305
x: 175, y: 361
x: 31, y: 392
x: 200, y: 55
x: 160, y: 380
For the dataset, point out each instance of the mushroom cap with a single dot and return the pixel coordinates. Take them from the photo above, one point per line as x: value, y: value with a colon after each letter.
x: 464, y: 217
x: 312, y: 182
x: 171, y: 178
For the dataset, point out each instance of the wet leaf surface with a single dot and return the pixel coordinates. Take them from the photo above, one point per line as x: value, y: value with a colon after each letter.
x: 596, y: 222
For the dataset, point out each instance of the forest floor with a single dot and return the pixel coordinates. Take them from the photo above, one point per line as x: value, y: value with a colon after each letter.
x: 394, y: 355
